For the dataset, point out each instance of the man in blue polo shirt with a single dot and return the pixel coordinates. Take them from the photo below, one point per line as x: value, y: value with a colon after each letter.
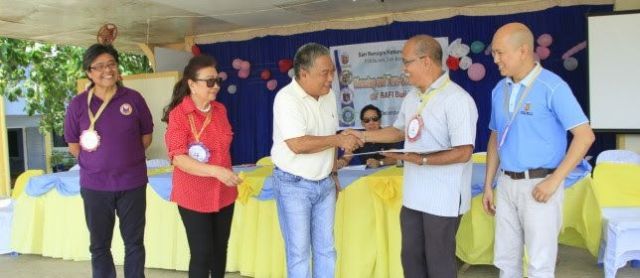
x: 532, y: 109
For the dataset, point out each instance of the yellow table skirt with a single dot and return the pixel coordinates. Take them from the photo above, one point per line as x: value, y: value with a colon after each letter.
x: 581, y: 225
x: 54, y: 226
x: 367, y: 229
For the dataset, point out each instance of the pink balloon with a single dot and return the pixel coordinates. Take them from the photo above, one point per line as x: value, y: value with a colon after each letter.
x: 476, y: 72
x: 237, y: 62
x: 487, y: 51
x: 272, y: 84
x: 545, y: 40
x: 245, y: 65
x: 574, y: 50
x: 243, y: 74
x: 223, y: 75
x: 543, y: 52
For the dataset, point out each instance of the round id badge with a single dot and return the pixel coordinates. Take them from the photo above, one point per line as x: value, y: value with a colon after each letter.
x: 89, y: 140
x: 199, y: 152
x: 414, y: 127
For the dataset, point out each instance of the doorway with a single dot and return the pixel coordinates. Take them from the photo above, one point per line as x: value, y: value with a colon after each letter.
x: 17, y: 161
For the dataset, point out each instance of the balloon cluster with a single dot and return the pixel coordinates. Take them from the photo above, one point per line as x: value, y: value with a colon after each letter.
x: 244, y: 71
x: 542, y: 51
x: 459, y: 58
x: 243, y: 67
x: 570, y: 63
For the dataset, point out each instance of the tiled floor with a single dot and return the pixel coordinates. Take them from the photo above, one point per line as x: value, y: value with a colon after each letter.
x: 573, y: 262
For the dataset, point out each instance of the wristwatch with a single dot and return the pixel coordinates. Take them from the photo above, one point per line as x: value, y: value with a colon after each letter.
x: 381, y: 162
x: 424, y: 160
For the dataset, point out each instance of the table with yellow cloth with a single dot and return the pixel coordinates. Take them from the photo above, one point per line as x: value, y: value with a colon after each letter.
x: 367, y: 228
x: 53, y: 225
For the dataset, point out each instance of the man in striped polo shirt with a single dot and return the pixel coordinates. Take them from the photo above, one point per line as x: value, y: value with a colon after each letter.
x: 437, y: 120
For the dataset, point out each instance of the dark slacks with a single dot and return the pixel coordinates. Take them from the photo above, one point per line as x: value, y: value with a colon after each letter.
x: 100, y: 209
x: 428, y: 244
x: 208, y: 236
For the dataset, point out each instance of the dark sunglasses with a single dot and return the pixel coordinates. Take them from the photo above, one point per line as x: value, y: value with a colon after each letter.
x: 212, y: 82
x: 367, y: 120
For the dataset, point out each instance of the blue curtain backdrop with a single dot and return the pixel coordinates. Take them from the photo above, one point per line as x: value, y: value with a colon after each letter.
x: 250, y: 108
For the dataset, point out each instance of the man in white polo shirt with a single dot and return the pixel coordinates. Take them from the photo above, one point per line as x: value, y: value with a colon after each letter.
x: 305, y: 121
x: 437, y: 115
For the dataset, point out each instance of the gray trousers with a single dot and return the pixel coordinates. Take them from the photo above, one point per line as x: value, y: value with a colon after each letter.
x: 428, y: 244
x: 522, y: 221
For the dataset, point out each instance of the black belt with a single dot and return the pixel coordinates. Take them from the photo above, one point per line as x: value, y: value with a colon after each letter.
x: 533, y: 173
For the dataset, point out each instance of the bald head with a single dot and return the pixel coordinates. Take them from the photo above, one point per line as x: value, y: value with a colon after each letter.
x: 512, y: 50
x: 425, y: 45
x: 515, y: 35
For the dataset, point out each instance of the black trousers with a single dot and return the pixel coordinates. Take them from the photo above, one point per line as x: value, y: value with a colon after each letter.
x: 208, y: 236
x: 100, y: 209
x: 428, y: 244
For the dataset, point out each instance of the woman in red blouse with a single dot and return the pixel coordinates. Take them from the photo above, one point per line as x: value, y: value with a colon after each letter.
x: 198, y: 139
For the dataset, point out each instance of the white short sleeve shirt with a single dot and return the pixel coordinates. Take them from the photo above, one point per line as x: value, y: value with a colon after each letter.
x: 296, y: 114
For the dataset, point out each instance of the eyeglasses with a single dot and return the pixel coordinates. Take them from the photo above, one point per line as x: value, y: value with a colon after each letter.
x: 407, y: 62
x: 367, y: 120
x: 102, y: 67
x: 212, y: 81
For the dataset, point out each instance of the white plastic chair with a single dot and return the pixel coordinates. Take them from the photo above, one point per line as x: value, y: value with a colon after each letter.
x: 618, y: 156
x: 621, y: 225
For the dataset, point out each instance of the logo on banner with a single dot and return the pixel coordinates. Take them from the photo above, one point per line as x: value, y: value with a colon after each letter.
x: 345, y: 77
x: 344, y: 58
x: 348, y: 116
x: 346, y: 96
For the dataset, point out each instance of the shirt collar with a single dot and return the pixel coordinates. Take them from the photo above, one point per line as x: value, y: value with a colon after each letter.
x: 527, y: 80
x: 301, y: 93
x: 187, y: 105
x: 438, y: 82
x: 119, y: 92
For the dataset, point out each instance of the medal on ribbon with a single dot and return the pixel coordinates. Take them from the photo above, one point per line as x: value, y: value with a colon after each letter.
x: 199, y: 152
x: 414, y: 128
x: 197, y: 149
x: 416, y: 124
x: 89, y: 138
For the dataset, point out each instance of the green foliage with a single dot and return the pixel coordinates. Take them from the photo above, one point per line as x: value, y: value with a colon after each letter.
x: 61, y: 160
x: 46, y: 74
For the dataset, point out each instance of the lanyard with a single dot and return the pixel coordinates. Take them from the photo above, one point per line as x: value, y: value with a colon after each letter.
x: 193, y: 126
x: 517, y: 107
x: 424, y: 98
x: 94, y: 118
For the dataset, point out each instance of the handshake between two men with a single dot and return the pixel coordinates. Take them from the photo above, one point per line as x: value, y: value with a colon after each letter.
x: 350, y: 140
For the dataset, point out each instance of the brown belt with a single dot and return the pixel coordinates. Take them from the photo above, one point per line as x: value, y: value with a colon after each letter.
x: 533, y: 173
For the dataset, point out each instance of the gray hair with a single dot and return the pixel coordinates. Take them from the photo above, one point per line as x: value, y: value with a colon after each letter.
x: 306, y: 55
x: 428, y: 46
